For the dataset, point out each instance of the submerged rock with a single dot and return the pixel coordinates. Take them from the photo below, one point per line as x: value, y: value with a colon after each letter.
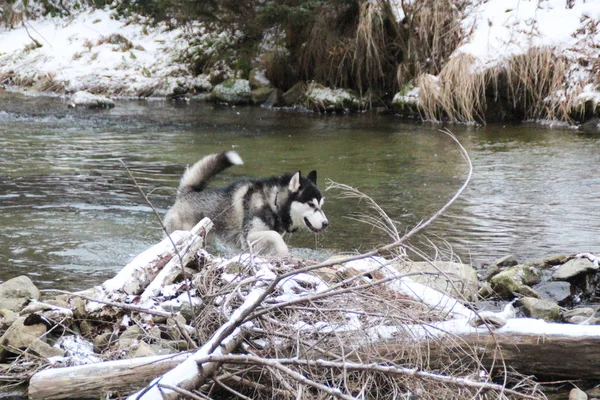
x: 16, y: 292
x: 86, y: 99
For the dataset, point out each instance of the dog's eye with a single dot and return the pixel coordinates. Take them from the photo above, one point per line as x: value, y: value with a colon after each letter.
x: 311, y: 205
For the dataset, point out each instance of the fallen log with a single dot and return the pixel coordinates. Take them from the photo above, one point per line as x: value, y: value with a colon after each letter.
x: 532, y: 347
x: 92, y: 380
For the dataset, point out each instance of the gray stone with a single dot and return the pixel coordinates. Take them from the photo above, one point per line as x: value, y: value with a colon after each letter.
x: 232, y: 91
x: 506, y: 261
x: 515, y: 280
x: 557, y: 291
x: 540, y: 309
x: 573, y: 268
x: 30, y: 337
x: 490, y: 271
x: 16, y: 292
x: 261, y: 95
x: 105, y: 341
x: 555, y: 259
x: 7, y: 317
x: 324, y: 99
x: 577, y: 394
x: 583, y: 315
x: 455, y: 279
x: 294, y: 93
x: 136, y: 349
x: 89, y: 100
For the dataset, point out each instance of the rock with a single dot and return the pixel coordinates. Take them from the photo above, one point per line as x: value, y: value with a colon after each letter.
x: 16, y: 292
x: 407, y: 102
x: 105, y: 341
x: 540, y: 309
x: 506, y: 261
x: 581, y: 315
x: 274, y: 100
x: 133, y: 332
x: 594, y: 392
x: 22, y: 335
x: 577, y: 394
x: 515, y: 280
x: 455, y: 279
x: 7, y: 318
x: 554, y: 259
x: 294, y: 93
x: 591, y: 126
x: 557, y: 291
x: 490, y: 271
x: 258, y: 79
x: 232, y: 91
x: 324, y: 99
x: 261, y: 95
x: 136, y: 349
x: 86, y: 99
x: 573, y: 268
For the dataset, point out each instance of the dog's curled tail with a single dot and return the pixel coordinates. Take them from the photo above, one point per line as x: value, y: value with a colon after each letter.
x: 195, y: 178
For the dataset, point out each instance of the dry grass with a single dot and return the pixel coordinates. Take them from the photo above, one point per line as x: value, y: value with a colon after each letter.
x: 530, y: 86
x: 428, y: 35
x: 457, y: 94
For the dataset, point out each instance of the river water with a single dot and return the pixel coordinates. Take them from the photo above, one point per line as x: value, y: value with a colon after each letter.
x: 70, y: 215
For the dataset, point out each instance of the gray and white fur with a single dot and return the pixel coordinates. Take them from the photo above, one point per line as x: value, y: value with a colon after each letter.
x: 248, y: 212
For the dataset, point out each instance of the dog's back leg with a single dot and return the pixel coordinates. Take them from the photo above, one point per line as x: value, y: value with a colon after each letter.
x: 264, y: 240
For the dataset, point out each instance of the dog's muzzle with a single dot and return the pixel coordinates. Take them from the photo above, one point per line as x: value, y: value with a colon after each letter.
x: 324, y: 225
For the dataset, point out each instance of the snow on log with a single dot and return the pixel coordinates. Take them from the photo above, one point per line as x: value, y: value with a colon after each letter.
x: 140, y: 272
x: 530, y: 346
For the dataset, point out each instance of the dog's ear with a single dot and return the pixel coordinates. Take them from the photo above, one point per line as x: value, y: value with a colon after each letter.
x: 294, y: 184
x: 312, y: 176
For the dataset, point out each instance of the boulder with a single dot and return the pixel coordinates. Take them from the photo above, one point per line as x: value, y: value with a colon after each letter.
x: 261, y: 95
x: 454, y: 279
x: 578, y: 315
x: 506, y: 261
x: 407, y: 101
x: 324, y: 99
x: 89, y: 100
x: 23, y: 334
x: 232, y: 91
x: 555, y: 259
x: 572, y: 268
x: 7, y: 317
x: 577, y: 394
x: 557, y: 291
x: 540, y: 309
x: 136, y: 349
x: 294, y: 93
x: 515, y: 280
x: 16, y: 292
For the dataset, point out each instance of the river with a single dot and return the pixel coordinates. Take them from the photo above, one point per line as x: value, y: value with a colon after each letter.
x: 70, y: 215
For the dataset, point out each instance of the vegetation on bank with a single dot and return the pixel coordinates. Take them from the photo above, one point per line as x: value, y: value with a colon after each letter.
x: 375, y: 48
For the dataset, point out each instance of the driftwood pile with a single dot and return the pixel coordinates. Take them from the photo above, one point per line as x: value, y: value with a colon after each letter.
x: 252, y: 327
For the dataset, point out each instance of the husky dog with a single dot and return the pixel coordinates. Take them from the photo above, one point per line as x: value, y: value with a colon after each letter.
x: 248, y: 211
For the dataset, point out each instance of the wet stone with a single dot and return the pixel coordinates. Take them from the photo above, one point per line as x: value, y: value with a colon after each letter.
x: 573, y: 268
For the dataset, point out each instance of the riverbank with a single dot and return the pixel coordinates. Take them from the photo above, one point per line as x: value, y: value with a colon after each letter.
x: 171, y: 313
x: 510, y: 63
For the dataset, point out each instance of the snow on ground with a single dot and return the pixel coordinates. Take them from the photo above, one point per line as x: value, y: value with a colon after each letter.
x: 94, y: 51
x: 500, y: 29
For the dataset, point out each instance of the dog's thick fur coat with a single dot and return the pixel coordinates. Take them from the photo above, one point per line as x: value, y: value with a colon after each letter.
x: 248, y: 211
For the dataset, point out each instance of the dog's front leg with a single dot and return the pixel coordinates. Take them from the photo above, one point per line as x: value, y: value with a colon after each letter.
x: 268, y: 239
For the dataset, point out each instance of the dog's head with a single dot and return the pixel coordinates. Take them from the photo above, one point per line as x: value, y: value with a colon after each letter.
x: 307, y: 202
